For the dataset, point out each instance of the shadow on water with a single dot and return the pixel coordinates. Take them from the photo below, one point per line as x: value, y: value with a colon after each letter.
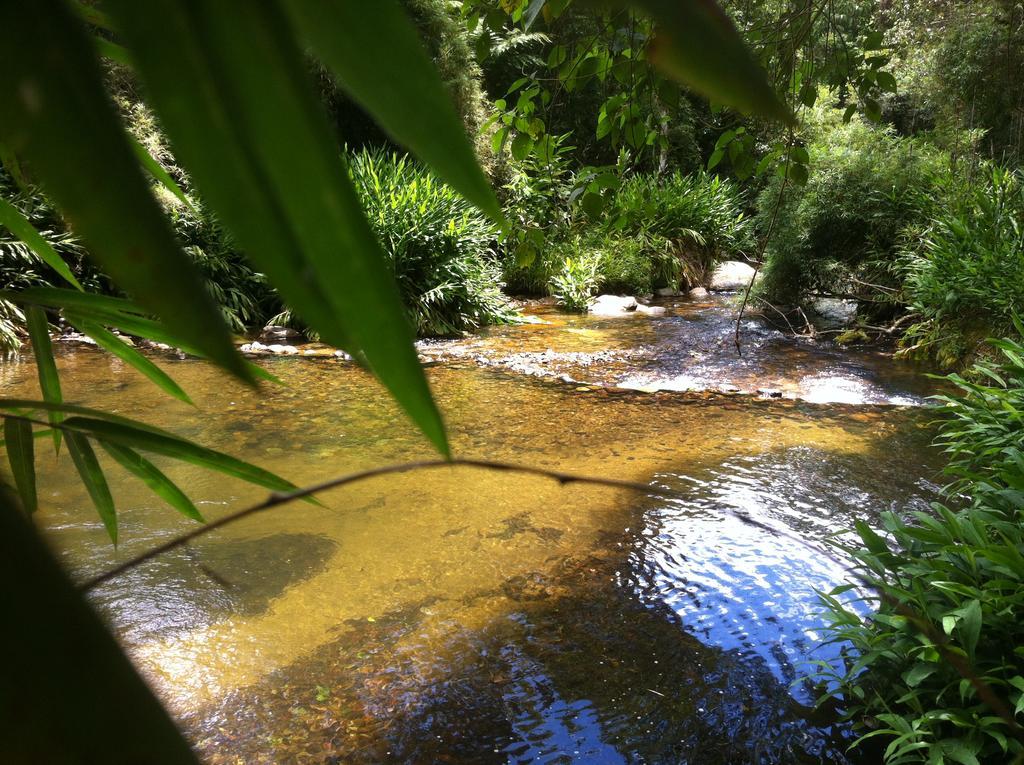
x: 679, y: 640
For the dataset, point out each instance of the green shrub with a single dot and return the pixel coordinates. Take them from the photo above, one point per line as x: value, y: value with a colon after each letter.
x: 441, y: 248
x: 576, y: 282
x: 948, y: 594
x: 698, y: 210
x: 841, y: 229
x: 964, y: 269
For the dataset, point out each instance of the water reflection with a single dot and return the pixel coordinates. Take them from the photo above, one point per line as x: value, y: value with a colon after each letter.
x: 477, y: 617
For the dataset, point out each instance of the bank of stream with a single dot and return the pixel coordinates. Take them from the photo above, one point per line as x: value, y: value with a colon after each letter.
x: 467, y: 616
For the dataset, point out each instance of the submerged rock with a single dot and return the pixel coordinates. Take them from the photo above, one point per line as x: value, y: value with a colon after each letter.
x: 731, y: 276
x: 612, y: 305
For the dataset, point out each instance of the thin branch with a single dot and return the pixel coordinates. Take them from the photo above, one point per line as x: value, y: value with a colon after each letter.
x: 280, y: 498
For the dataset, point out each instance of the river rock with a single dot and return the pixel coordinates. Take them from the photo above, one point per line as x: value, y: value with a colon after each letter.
x: 731, y: 276
x: 274, y: 334
x: 612, y: 305
x: 650, y: 310
x: 832, y: 313
x: 286, y: 350
x: 254, y: 347
x: 698, y: 293
x: 667, y: 292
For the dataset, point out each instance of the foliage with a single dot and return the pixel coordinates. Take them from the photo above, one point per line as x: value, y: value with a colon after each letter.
x: 948, y: 594
x: 842, y: 228
x: 700, y: 210
x: 439, y: 246
x: 964, y: 268
x: 576, y: 282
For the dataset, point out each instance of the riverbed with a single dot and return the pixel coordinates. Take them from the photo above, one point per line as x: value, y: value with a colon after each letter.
x: 462, y: 615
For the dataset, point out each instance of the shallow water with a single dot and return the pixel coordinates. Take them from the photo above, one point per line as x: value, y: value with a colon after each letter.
x: 461, y: 615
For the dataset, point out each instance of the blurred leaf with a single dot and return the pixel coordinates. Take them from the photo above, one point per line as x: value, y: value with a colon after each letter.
x: 66, y: 677
x: 112, y: 51
x: 46, y: 367
x: 151, y: 440
x: 58, y: 116
x: 159, y: 483
x: 115, y: 312
x: 230, y: 87
x: 110, y: 342
x: 156, y: 170
x: 698, y: 45
x: 20, y: 446
x: 379, y: 60
x: 95, y: 483
x: 12, y: 219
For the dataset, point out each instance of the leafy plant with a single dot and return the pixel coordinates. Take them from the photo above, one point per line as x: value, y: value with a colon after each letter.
x: 964, y: 268
x: 574, y: 285
x: 937, y: 670
x: 841, y: 229
x: 439, y: 247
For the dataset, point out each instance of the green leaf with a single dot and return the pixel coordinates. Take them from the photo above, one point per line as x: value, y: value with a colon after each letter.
x: 698, y: 45
x: 20, y: 446
x: 46, y: 367
x: 108, y: 341
x: 230, y: 87
x: 377, y: 56
x: 916, y: 674
x: 159, y: 483
x: 57, y: 115
x: 95, y: 483
x: 160, y: 175
x: 20, y: 226
x: 150, y: 440
x: 969, y: 626
x: 521, y: 146
x: 592, y: 204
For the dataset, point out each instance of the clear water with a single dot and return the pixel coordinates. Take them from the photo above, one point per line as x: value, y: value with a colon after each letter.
x: 460, y: 615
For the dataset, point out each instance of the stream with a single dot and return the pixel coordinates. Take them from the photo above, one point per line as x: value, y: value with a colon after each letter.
x: 466, y: 616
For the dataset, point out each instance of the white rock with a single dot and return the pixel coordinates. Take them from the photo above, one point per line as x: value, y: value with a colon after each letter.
x: 612, y: 305
x: 650, y: 310
x: 731, y: 276
x: 698, y: 293
x: 284, y: 349
x: 668, y: 292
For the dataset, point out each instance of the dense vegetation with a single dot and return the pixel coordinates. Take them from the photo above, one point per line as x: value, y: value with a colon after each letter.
x: 884, y: 169
x: 943, y: 640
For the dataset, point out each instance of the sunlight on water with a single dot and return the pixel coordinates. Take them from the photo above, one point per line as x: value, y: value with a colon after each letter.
x: 476, y: 616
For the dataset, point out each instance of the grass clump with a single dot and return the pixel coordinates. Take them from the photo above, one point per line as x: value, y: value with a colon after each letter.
x: 441, y: 248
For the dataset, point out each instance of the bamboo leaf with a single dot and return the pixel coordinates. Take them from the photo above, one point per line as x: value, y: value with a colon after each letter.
x: 159, y: 483
x: 113, y: 344
x: 20, y: 446
x: 697, y: 45
x: 150, y: 440
x: 374, y: 51
x: 156, y: 170
x: 95, y: 482
x: 229, y: 84
x: 46, y: 367
x: 58, y: 116
x: 12, y: 219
